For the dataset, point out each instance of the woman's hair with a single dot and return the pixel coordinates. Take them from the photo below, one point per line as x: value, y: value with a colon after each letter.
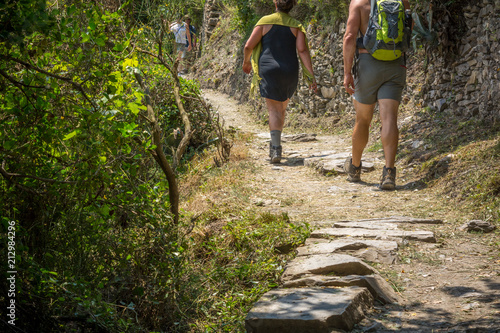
x: 285, y: 5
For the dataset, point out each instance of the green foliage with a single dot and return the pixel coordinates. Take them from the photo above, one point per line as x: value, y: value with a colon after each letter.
x: 19, y: 18
x: 245, y: 13
x: 95, y: 238
x: 422, y: 33
x: 323, y: 12
x: 247, y: 251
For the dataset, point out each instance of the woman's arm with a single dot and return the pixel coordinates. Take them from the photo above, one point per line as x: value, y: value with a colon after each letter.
x: 305, y: 56
x: 254, y: 39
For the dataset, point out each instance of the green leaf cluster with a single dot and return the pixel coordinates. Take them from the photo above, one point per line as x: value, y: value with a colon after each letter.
x: 96, y: 243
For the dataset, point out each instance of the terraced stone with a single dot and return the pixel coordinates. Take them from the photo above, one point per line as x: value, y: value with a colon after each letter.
x: 325, y: 264
x: 307, y: 310
x: 333, y: 162
x: 378, y: 287
x: 394, y: 220
x: 402, y: 219
x: 368, y: 249
x: 398, y: 235
x: 366, y: 225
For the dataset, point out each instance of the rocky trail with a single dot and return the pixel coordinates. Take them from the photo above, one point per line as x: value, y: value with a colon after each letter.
x: 376, y: 261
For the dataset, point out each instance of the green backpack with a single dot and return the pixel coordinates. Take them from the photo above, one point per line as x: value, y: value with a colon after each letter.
x: 387, y: 36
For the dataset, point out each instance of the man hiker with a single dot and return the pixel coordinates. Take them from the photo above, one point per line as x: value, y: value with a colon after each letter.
x: 182, y: 38
x: 191, y: 55
x: 375, y: 81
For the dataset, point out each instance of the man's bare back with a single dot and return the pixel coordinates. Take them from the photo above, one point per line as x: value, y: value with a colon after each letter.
x: 361, y: 9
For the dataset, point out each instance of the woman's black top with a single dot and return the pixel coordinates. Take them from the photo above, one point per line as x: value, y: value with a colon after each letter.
x: 278, y: 64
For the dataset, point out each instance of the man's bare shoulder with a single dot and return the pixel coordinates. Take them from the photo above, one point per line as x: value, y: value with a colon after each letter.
x: 359, y: 3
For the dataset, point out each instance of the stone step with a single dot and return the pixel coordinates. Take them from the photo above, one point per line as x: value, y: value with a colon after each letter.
x: 325, y: 264
x: 378, y: 287
x: 305, y: 310
x: 397, y: 235
x: 367, y: 225
x: 328, y: 287
x: 390, y: 220
x: 366, y: 249
x: 333, y: 162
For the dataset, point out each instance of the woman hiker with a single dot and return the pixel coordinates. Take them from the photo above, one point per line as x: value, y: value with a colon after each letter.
x: 273, y: 46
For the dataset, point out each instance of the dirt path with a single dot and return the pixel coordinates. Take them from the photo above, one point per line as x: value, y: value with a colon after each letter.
x: 452, y: 286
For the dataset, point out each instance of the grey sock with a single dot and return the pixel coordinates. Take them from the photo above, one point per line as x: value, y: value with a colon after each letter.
x: 275, y: 138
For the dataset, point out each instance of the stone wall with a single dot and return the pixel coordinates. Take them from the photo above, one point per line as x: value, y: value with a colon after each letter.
x: 211, y: 17
x: 470, y: 85
x: 465, y: 87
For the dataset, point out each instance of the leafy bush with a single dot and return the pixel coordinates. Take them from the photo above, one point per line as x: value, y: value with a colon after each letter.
x: 96, y: 243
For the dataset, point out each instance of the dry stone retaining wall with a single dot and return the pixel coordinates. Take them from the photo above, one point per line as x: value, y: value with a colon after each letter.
x: 469, y: 86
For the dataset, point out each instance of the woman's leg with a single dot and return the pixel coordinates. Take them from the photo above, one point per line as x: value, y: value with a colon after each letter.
x: 277, y: 111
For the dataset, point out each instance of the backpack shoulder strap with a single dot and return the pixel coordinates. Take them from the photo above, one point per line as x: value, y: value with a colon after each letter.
x: 373, y: 4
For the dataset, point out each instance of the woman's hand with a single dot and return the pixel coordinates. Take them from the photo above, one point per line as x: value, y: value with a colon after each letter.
x: 247, y: 67
x: 314, y: 87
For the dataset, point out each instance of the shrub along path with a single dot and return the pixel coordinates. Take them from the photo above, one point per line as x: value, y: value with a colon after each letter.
x: 376, y: 261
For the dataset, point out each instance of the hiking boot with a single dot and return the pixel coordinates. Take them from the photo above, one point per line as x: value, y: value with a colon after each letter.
x: 353, y: 173
x: 275, y: 153
x: 388, y: 181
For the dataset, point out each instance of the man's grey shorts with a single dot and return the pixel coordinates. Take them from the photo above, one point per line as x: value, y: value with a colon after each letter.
x: 378, y: 79
x: 181, y: 47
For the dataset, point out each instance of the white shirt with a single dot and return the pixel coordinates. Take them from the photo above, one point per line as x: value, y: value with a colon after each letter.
x: 179, y: 31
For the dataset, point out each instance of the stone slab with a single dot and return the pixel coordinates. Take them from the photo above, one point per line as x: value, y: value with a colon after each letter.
x: 334, y: 163
x: 368, y: 249
x: 325, y: 264
x: 403, y: 219
x: 302, y: 137
x: 389, y: 220
x: 366, y: 225
x: 308, y: 310
x: 422, y: 236
x: 378, y: 287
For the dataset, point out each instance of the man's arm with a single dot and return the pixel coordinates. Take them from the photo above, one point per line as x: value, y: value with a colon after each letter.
x: 349, y: 46
x: 188, y: 35
x: 193, y: 35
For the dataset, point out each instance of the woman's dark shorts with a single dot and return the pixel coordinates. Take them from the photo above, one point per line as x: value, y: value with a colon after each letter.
x: 378, y: 79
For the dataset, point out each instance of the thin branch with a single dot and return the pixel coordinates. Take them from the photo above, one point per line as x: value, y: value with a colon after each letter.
x: 188, y: 132
x: 19, y: 86
x: 159, y: 155
x: 17, y: 83
x: 8, y: 175
x: 76, y: 85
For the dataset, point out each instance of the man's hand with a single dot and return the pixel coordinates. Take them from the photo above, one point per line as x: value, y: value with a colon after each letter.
x: 247, y: 67
x: 349, y: 83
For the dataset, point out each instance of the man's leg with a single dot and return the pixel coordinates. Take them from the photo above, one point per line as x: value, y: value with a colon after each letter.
x: 277, y: 111
x: 390, y: 133
x: 364, y: 115
x: 179, y: 59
